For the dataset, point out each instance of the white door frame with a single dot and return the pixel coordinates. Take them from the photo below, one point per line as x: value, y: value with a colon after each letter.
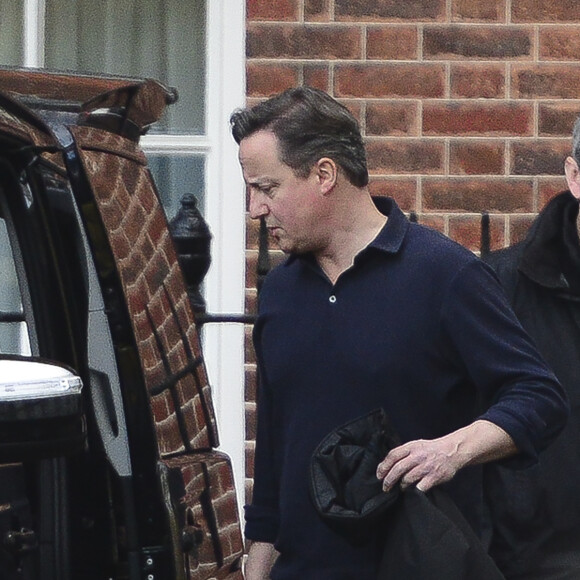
x: 224, y: 211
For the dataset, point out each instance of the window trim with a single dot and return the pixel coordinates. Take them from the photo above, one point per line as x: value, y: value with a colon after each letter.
x: 33, y: 33
x: 225, y: 212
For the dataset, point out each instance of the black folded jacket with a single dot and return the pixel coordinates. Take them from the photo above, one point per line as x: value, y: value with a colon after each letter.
x: 424, y: 535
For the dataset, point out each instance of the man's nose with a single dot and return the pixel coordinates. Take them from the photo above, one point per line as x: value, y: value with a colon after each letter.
x: 258, y: 207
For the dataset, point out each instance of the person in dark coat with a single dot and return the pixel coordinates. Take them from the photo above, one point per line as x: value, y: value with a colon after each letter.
x: 536, y: 511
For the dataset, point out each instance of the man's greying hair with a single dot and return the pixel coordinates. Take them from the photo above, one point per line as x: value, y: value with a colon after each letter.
x: 309, y: 124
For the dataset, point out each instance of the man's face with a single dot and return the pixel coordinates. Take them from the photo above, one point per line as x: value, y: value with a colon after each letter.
x: 290, y: 205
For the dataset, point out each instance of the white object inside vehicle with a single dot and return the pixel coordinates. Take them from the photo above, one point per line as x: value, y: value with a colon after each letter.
x: 23, y: 379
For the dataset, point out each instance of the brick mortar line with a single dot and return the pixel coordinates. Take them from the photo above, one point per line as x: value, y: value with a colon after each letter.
x: 535, y: 26
x: 375, y: 61
x: 459, y: 60
x: 410, y: 23
x: 363, y: 118
x: 419, y: 179
x: 490, y: 177
x: 503, y: 25
x: 510, y: 64
x: 474, y: 214
x: 331, y: 68
x: 363, y: 43
x: 478, y: 100
x: 443, y: 136
x: 507, y: 230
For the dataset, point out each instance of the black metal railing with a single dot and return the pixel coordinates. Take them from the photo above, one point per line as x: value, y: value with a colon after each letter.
x: 192, y: 236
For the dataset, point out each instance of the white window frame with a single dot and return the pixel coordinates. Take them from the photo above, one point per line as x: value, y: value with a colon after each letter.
x: 224, y: 209
x: 226, y: 212
x: 33, y: 33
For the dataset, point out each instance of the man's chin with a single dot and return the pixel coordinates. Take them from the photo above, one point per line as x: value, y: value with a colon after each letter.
x: 280, y: 242
x: 284, y: 247
x: 288, y: 246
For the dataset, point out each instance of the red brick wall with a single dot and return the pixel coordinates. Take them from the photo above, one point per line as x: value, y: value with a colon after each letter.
x: 466, y: 105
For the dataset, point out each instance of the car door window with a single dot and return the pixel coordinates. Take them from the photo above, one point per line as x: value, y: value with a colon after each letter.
x: 13, y: 328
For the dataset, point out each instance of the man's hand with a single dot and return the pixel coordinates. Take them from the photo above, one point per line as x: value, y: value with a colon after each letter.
x: 428, y: 463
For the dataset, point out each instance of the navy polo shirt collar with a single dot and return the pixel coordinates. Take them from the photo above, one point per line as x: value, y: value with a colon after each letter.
x: 390, y: 238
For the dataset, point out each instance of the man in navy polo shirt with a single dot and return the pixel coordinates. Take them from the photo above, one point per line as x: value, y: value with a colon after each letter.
x: 370, y: 311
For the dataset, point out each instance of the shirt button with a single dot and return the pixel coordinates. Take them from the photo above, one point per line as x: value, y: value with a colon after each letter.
x: 332, y: 299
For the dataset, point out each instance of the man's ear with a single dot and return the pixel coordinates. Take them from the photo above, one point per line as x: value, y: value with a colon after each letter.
x: 327, y: 174
x: 572, y: 176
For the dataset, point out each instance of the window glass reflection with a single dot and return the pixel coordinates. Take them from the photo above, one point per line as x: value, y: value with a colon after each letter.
x: 13, y: 330
x: 177, y: 176
x: 161, y: 39
x: 11, y: 41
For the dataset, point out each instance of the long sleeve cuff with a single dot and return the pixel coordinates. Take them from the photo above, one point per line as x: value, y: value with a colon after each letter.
x: 261, y: 524
x: 531, y: 434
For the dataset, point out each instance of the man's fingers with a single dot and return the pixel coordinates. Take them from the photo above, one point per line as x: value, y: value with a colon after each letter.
x: 424, y: 463
x: 411, y: 477
x: 424, y: 485
x: 392, y: 458
x: 404, y: 469
x: 394, y: 475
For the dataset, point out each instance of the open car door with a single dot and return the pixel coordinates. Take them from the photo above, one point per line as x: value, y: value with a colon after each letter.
x: 175, y: 514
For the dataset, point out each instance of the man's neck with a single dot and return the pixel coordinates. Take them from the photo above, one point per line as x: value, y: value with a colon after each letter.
x: 360, y: 227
